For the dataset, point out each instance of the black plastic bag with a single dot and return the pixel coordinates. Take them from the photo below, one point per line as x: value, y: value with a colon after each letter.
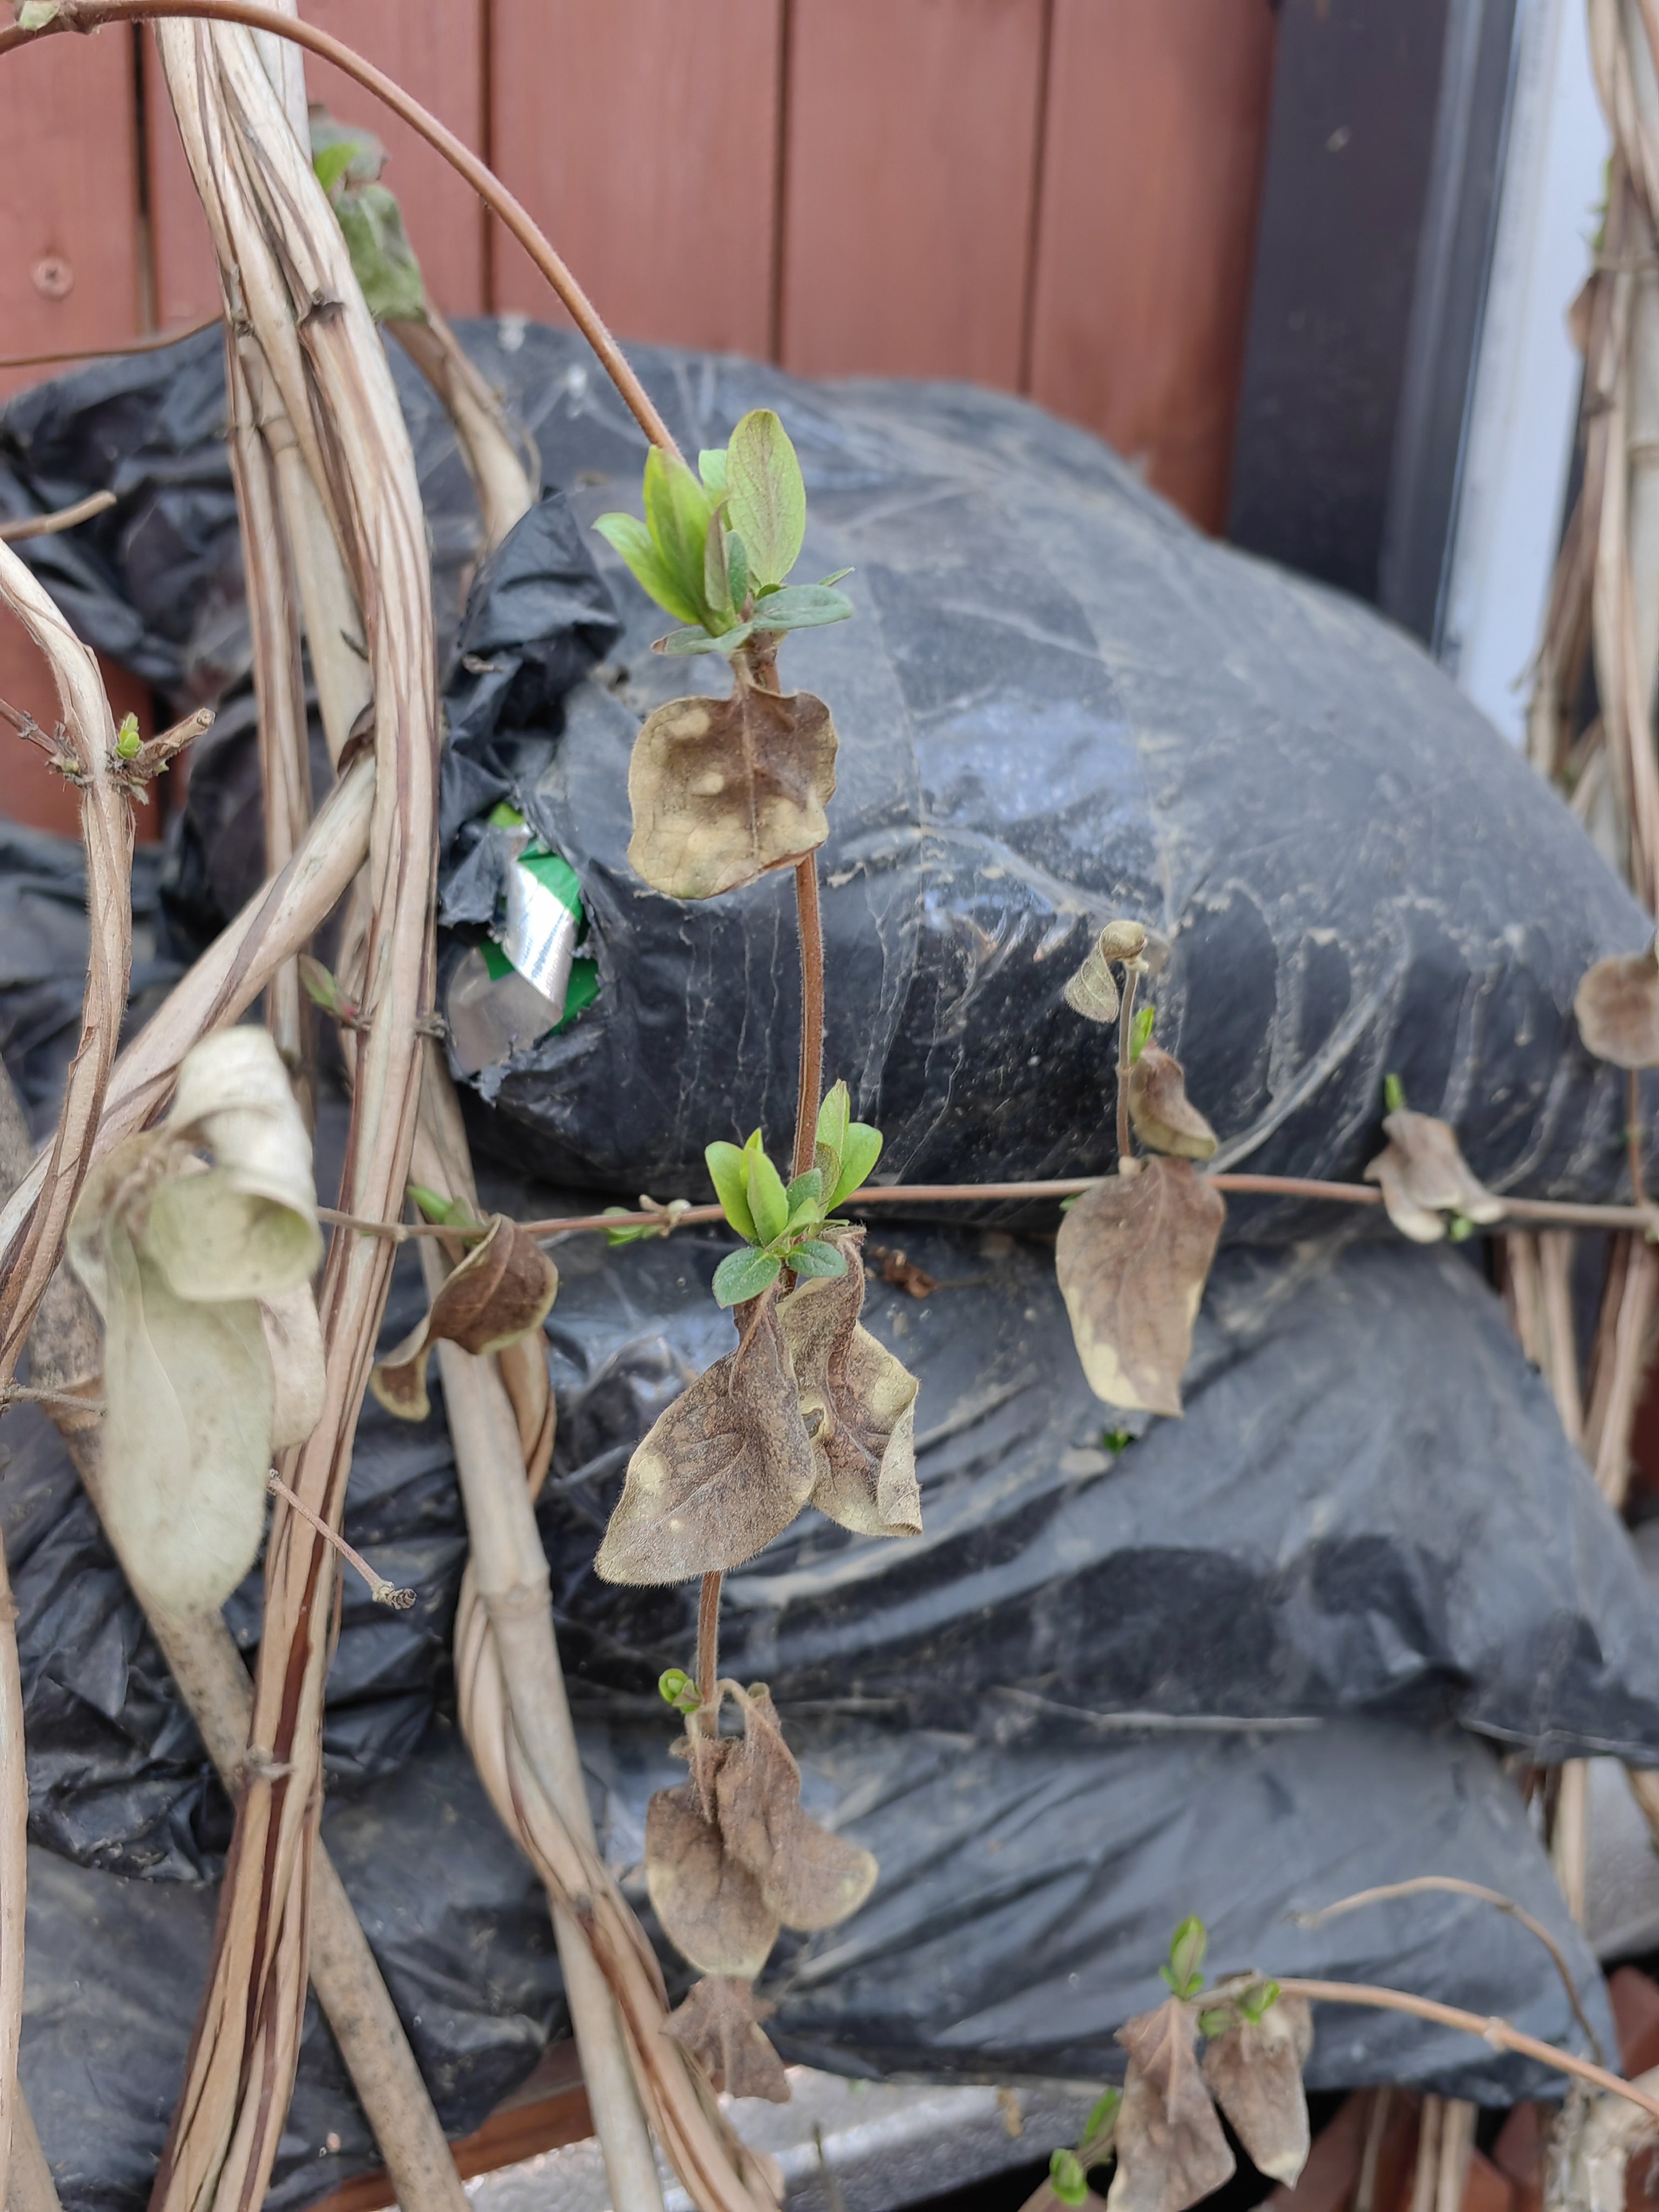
x: 1058, y: 701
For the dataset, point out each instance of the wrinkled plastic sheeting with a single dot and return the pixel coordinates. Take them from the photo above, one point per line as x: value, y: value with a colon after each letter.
x: 1029, y: 1889
x: 1369, y: 1507
x: 115, y: 1969
x: 1059, y: 702
x: 44, y: 948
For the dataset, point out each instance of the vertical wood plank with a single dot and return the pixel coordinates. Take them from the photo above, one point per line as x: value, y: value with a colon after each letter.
x: 70, y: 261
x: 435, y: 53
x: 434, y: 49
x: 1153, y: 154
x: 908, y: 181
x: 641, y: 136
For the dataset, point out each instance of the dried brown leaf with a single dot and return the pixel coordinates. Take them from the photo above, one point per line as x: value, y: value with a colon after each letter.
x: 1254, y: 2074
x: 858, y: 1401
x: 1618, y: 1008
x: 719, y: 2025
x: 1424, y: 1176
x: 723, y: 1470
x: 1132, y: 1257
x: 1163, y: 1116
x: 809, y: 1877
x: 711, y: 1906
x: 723, y: 790
x: 901, y: 1272
x: 1092, y: 991
x: 1170, y: 2148
x: 501, y: 1292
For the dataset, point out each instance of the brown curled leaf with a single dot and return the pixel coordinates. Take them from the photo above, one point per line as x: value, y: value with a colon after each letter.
x: 723, y: 1470
x: 1424, y: 1176
x: 501, y: 1292
x: 809, y: 1877
x: 858, y: 1401
x: 724, y: 790
x: 1618, y: 1008
x: 1254, y: 2074
x: 1092, y: 991
x: 1165, y: 1119
x: 1170, y: 2148
x: 710, y: 1906
x: 719, y: 2025
x: 1132, y: 1257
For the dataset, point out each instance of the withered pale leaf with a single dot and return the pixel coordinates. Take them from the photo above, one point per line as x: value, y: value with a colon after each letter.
x: 1617, y: 1004
x: 809, y: 1877
x: 1092, y: 991
x: 1171, y: 2147
x: 711, y: 1906
x: 1424, y: 1176
x: 501, y: 1291
x: 185, y: 1261
x: 298, y: 1365
x: 248, y: 1226
x: 1132, y: 1257
x: 858, y: 1401
x: 1254, y: 2074
x: 719, y: 2025
x: 723, y: 790
x: 1164, y: 1117
x: 723, y: 1470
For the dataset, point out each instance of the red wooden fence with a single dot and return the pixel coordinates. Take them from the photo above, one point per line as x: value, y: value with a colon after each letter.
x: 1057, y: 196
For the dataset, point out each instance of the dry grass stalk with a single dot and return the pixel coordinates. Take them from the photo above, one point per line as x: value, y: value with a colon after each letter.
x: 278, y: 677
x: 295, y: 281
x: 274, y: 925
x: 65, y: 1353
x: 107, y: 829
x: 505, y: 483
x: 518, y: 1726
x: 106, y: 832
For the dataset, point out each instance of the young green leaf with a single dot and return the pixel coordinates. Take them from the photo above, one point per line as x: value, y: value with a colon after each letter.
x: 801, y: 606
x: 737, y: 569
x: 767, y: 497
x: 331, y: 162
x: 677, y: 513
x: 1394, y: 1093
x: 634, y: 542
x: 826, y: 581
x: 447, y: 1213
x: 675, y: 1688
x: 805, y: 1197
x: 728, y: 1173
x: 716, y: 581
x: 128, y: 743
x: 1067, y: 2177
x: 833, y: 1119
x: 814, y: 1257
x: 632, y: 1232
x: 1100, y: 2119
x: 382, y: 259
x: 859, y: 1151
x: 1141, y: 1031
x: 768, y: 1200
x: 680, y: 642
x: 744, y: 1275
x: 1187, y: 1949
x: 711, y: 467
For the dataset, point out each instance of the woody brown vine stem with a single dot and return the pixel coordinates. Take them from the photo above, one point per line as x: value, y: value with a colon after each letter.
x: 1497, y: 2033
x: 1125, y: 1049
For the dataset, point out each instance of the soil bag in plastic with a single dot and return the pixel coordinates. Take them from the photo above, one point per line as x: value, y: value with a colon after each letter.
x: 1369, y: 1506
x: 1058, y: 703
